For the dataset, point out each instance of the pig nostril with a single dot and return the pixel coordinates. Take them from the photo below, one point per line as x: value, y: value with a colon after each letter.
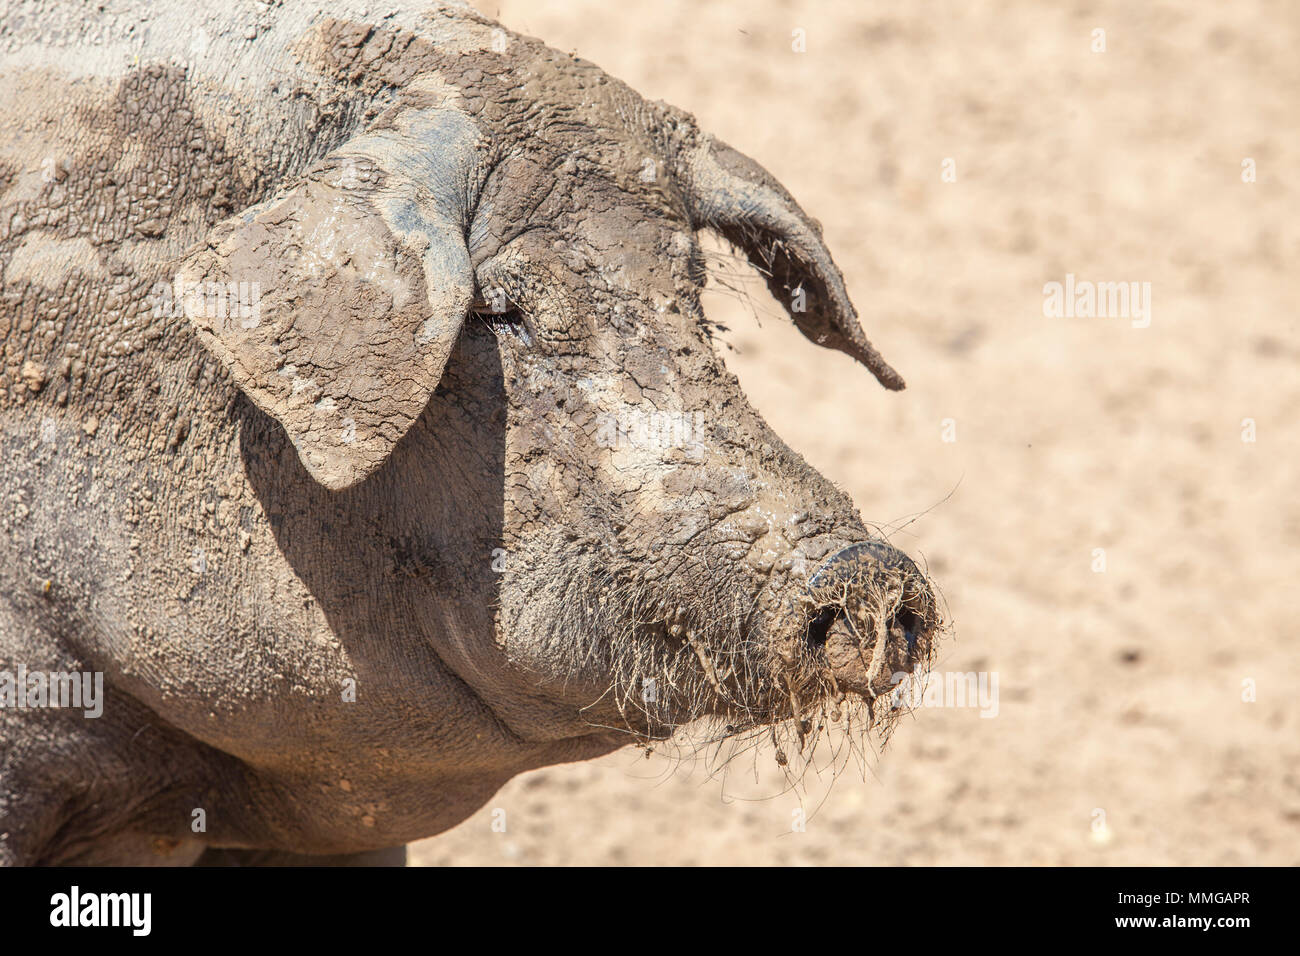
x: 820, y: 625
x: 912, y: 622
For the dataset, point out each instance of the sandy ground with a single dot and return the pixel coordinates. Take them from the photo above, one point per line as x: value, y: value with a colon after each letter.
x: 1122, y: 734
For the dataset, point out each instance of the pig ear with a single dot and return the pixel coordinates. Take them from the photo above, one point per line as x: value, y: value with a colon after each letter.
x: 739, y: 199
x: 335, y: 305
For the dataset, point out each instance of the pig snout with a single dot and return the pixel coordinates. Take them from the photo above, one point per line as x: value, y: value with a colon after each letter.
x: 872, y: 615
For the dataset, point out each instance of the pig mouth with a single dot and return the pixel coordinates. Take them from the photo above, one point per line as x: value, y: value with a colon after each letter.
x: 644, y: 661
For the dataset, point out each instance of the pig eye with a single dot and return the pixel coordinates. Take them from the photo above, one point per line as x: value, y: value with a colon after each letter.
x: 501, y: 314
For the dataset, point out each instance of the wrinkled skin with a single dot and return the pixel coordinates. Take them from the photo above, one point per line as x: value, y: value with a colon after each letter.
x: 477, y: 261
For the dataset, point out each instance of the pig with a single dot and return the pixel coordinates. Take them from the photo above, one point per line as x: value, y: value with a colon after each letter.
x: 364, y: 437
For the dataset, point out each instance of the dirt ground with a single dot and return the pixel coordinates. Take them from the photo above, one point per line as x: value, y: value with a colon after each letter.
x: 1147, y: 706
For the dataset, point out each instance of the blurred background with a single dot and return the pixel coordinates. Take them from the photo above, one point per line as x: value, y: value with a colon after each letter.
x: 1110, y: 510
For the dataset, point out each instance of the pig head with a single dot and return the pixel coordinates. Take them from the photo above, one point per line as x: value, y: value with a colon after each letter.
x: 480, y: 316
